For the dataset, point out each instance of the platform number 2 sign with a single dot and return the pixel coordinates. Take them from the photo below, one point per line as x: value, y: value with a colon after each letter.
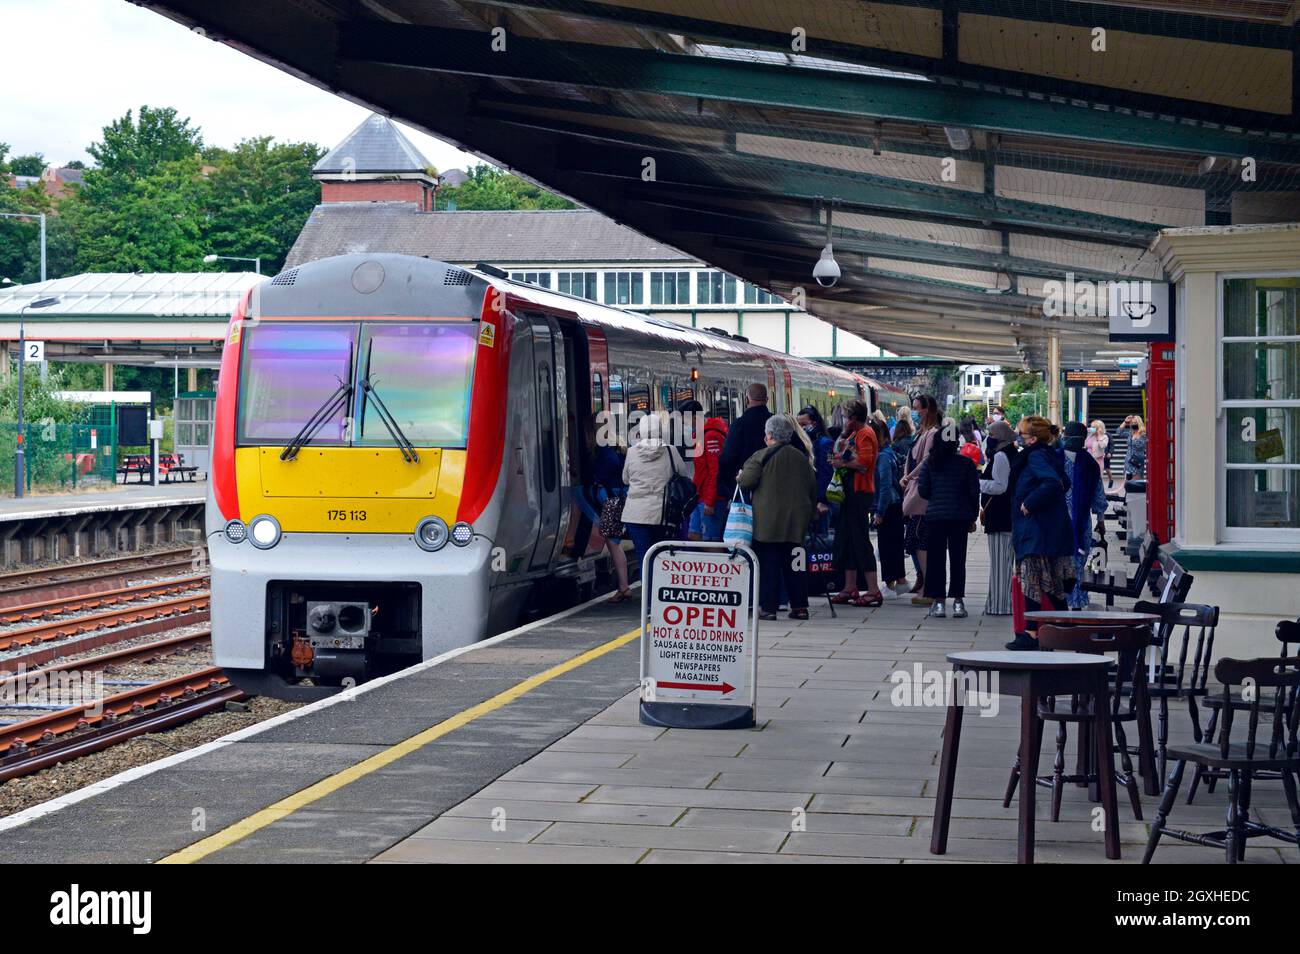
x: 34, y: 351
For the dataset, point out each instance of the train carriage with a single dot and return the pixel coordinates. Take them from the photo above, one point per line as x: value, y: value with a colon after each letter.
x: 397, y: 442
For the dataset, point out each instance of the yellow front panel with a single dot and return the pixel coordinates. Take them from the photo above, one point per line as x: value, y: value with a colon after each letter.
x: 349, y: 489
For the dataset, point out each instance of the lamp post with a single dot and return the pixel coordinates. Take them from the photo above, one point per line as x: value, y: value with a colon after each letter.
x: 31, y: 215
x: 20, y: 452
x: 257, y: 262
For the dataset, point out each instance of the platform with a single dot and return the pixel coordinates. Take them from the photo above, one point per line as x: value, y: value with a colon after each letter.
x: 528, y: 749
x: 125, y: 497
x: 47, y: 527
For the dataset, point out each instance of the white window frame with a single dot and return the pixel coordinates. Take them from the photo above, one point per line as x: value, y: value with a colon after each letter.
x: 1268, y: 536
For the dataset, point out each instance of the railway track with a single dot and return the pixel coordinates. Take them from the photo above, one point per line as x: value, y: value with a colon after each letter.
x: 58, y: 629
x: 65, y: 734
x: 127, y: 594
x: 95, y: 576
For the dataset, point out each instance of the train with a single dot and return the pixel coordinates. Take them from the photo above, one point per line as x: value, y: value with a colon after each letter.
x: 396, y: 447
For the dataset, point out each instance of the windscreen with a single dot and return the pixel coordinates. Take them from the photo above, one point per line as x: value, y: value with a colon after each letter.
x: 422, y: 372
x: 288, y: 372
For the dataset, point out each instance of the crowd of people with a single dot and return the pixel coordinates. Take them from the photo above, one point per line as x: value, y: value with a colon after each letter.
x: 924, y: 483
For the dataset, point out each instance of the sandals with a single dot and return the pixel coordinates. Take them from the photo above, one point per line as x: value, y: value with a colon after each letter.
x: 622, y: 596
x: 866, y: 599
x: 798, y: 614
x: 844, y: 596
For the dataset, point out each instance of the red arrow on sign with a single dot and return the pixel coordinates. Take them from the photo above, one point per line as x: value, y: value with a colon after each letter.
x: 725, y: 688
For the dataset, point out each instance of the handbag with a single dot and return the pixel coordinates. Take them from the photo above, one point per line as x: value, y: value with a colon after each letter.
x: 740, y: 521
x: 835, y: 489
x: 680, y: 495
x: 914, y: 505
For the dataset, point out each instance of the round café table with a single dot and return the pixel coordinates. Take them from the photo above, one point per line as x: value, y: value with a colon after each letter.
x: 1029, y: 675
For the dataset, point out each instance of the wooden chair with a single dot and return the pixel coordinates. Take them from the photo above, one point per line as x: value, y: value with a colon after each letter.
x: 1131, y: 589
x: 1128, y: 642
x: 1191, y: 627
x: 1287, y: 632
x: 1242, y: 761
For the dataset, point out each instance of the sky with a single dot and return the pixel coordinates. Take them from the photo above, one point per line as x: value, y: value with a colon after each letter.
x: 69, y: 67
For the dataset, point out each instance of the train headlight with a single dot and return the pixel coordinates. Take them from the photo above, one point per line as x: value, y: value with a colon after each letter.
x: 264, y: 531
x: 236, y: 532
x: 431, y: 534
x: 462, y: 534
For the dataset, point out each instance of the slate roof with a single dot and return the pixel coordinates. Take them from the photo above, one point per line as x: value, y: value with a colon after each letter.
x: 376, y: 146
x: 500, y: 238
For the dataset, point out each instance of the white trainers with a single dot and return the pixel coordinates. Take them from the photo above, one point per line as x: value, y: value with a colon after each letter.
x: 936, y: 610
x: 959, y: 609
x: 890, y: 594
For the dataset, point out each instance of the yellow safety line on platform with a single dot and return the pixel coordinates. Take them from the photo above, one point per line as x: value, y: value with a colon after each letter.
x: 326, y: 786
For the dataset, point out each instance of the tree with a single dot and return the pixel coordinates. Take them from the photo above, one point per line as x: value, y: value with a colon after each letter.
x: 32, y: 165
x: 135, y: 149
x: 141, y: 208
x: 20, y: 239
x: 74, y: 164
x: 259, y: 195
x: 490, y: 188
x: 150, y: 224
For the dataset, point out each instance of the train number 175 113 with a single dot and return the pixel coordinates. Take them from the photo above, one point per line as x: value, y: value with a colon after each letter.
x: 358, y: 515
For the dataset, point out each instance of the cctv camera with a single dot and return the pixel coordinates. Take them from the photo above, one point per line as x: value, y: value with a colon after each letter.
x: 827, y: 270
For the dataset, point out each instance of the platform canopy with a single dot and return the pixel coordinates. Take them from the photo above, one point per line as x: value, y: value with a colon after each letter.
x: 971, y: 151
x: 131, y: 318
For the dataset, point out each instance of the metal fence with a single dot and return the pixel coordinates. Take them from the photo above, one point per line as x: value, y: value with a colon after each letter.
x: 60, y: 456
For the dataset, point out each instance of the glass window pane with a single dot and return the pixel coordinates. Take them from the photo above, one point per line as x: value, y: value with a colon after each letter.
x: 638, y: 288
x: 1261, y: 371
x: 1263, y: 435
x: 185, y: 434
x: 623, y: 289
x: 683, y: 288
x: 1263, y: 498
x: 591, y: 285
x: 564, y: 283
x: 544, y: 279
x: 656, y: 288
x: 1261, y: 307
x: 423, y: 374
x: 288, y: 371
x: 729, y: 295
x: 202, y: 435
x: 751, y: 294
x: 611, y: 288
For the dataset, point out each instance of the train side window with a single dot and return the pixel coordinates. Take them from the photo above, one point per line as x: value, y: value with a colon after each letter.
x: 597, y: 392
x: 546, y: 405
x: 638, y: 398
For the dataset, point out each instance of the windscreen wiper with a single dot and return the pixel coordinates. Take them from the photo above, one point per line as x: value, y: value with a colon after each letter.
x: 333, y: 404
x: 404, y: 445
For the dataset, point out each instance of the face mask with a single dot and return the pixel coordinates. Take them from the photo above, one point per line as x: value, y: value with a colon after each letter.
x: 997, y: 417
x: 809, y: 429
x: 1020, y: 440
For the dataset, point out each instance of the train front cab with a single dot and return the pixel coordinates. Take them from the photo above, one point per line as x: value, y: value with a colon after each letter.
x: 350, y: 558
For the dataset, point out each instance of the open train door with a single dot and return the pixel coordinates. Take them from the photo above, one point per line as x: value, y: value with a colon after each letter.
x: 550, y: 387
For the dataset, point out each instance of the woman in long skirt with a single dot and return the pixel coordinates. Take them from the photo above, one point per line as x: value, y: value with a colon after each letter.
x: 995, y: 515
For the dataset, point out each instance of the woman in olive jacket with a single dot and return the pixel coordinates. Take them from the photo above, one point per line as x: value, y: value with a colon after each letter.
x: 784, y: 485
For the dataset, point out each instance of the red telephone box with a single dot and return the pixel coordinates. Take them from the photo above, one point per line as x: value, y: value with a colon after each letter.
x: 1162, y: 422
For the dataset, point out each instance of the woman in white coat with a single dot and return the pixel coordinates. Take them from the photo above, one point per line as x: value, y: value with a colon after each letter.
x: 651, y: 462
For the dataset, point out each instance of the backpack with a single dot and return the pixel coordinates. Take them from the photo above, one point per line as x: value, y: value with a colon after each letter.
x: 680, y: 495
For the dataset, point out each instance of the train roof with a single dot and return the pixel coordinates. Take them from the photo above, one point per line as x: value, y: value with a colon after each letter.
x: 595, y: 313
